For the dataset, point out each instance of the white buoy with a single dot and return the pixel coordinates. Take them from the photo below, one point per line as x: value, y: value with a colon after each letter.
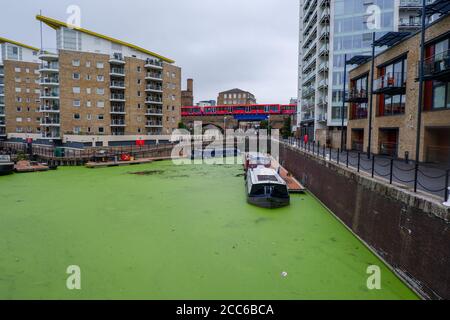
x: 284, y: 274
x: 447, y: 204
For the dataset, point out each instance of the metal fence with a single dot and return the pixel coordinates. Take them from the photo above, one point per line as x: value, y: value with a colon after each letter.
x: 50, y: 153
x: 424, y: 177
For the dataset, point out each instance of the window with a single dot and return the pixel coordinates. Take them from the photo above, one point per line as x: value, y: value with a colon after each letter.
x: 76, y: 90
x: 76, y: 103
x: 139, y: 81
x: 88, y: 104
x: 76, y: 130
x: 100, y: 91
x: 18, y: 90
x: 101, y: 130
x: 76, y: 76
x: 76, y: 63
x: 17, y: 69
x: 100, y: 65
x: 76, y: 116
x: 89, y: 117
x: 88, y: 64
x: 138, y: 93
x: 100, y: 117
x: 88, y: 90
x: 100, y: 78
x: 17, y: 79
x: 138, y: 69
x: 100, y: 104
x: 88, y: 77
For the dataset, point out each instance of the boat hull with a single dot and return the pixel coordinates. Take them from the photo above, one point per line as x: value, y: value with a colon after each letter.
x: 6, y: 168
x: 268, y: 202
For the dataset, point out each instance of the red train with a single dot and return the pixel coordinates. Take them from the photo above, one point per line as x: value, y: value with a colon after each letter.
x: 260, y: 109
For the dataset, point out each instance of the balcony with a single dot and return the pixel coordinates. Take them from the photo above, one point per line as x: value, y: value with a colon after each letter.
x: 437, y: 67
x: 308, y: 117
x: 50, y: 108
x: 323, y: 84
x: 153, y: 100
x: 2, y: 101
x: 50, y: 122
x: 407, y: 23
x: 49, y: 81
x: 117, y: 58
x: 118, y: 123
x: 117, y: 72
x: 357, y: 95
x: 391, y: 83
x: 154, y: 88
x: 308, y: 92
x: 412, y: 4
x: 358, y: 112
x: 154, y: 112
x: 51, y: 67
x: 324, y: 67
x: 322, y: 117
x: 153, y: 124
x: 153, y: 76
x: 48, y: 56
x: 2, y: 111
x: 325, y: 16
x: 324, y: 33
x: 2, y: 72
x: 118, y: 97
x: 117, y: 110
x: 51, y: 133
x: 324, y: 50
x: 154, y: 64
x: 120, y: 85
x: 2, y: 123
x: 50, y: 94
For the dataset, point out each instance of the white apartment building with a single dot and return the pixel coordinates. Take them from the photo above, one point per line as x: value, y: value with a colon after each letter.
x: 329, y: 29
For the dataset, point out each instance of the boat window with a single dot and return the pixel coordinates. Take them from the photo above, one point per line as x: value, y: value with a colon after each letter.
x: 267, y: 178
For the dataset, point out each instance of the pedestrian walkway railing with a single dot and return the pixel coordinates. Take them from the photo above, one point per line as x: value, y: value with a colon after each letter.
x: 417, y: 176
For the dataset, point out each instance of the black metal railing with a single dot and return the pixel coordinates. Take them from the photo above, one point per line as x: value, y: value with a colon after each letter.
x: 416, y: 176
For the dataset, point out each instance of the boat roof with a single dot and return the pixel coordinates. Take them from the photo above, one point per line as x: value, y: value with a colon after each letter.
x: 5, y: 158
x: 258, y: 156
x: 262, y: 175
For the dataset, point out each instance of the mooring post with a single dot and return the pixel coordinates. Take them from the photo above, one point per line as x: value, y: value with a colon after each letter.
x: 359, y: 161
x: 373, y: 165
x: 447, y: 189
x: 392, y: 171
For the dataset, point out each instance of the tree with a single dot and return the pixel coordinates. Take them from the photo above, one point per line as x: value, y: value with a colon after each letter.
x: 286, y: 131
x: 181, y: 125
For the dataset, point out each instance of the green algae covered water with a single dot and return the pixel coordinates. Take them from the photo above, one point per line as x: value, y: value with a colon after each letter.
x: 174, y: 232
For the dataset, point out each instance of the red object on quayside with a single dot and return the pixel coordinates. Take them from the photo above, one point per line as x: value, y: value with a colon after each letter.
x: 140, y: 143
x: 125, y: 157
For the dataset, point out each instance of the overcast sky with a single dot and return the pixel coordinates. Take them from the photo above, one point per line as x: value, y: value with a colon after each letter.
x: 221, y: 44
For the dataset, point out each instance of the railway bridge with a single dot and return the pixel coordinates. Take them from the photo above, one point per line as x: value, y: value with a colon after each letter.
x: 239, y: 116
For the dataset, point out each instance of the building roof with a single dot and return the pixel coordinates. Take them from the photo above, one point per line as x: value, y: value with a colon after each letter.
x: 4, y: 40
x: 236, y: 90
x: 55, y: 24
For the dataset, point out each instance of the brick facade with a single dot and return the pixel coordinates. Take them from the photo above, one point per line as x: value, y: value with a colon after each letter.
x: 27, y: 109
x: 405, y: 123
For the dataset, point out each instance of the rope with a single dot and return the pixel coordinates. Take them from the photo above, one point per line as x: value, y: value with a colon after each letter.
x: 431, y: 177
x: 430, y: 190
x: 404, y: 181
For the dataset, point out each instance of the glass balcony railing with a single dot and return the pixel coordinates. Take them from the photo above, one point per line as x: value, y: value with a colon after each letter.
x: 390, y: 81
x: 119, y: 71
x: 154, y: 63
x: 436, y: 65
x: 154, y: 75
x: 116, y: 96
x: 152, y: 111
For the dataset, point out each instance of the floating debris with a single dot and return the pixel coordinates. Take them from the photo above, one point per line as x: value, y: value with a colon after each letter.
x: 147, y: 172
x: 284, y: 274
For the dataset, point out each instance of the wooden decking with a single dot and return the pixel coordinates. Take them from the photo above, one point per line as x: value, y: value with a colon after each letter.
x: 293, y: 185
x: 27, y: 166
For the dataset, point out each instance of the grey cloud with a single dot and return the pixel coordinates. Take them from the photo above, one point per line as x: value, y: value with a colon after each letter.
x: 222, y: 44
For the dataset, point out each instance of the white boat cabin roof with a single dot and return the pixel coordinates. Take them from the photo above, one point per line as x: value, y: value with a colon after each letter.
x: 262, y: 175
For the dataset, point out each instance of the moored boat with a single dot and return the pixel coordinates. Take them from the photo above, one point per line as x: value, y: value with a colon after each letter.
x: 256, y: 159
x: 266, y: 189
x: 6, y: 166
